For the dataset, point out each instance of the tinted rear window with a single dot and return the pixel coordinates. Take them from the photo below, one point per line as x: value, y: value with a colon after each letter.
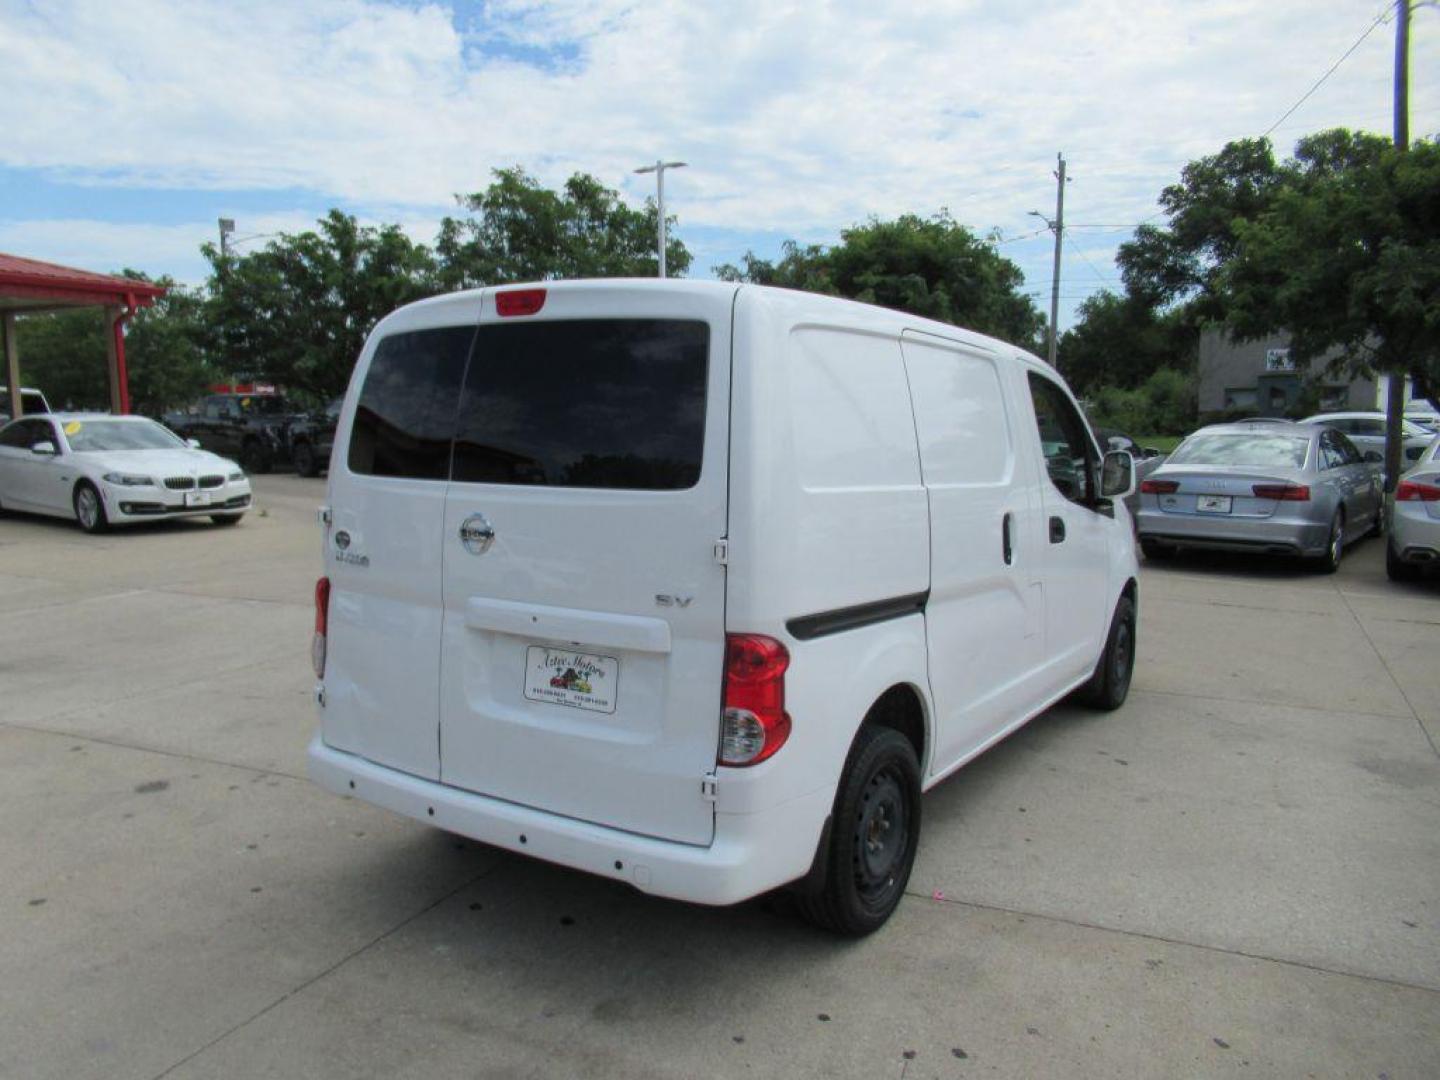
x: 406, y: 415
x: 1247, y: 449
x: 593, y: 403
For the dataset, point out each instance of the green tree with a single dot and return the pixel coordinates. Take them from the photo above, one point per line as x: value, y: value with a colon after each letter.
x: 299, y: 310
x: 517, y: 230
x: 933, y: 267
x: 165, y: 350
x: 64, y: 354
x: 1347, y: 257
x: 1120, y: 341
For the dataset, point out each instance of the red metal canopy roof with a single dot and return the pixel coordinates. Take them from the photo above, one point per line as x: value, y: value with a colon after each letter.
x: 35, y: 285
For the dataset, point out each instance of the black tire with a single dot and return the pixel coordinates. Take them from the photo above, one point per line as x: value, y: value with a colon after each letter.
x: 226, y: 519
x: 1335, y: 549
x: 1397, y: 569
x: 1153, y: 549
x: 306, y: 463
x: 875, y: 830
x: 1377, y: 528
x: 254, y: 457
x: 1110, y: 684
x: 89, y: 508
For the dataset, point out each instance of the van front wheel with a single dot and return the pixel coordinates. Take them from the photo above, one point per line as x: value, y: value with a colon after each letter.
x: 875, y: 829
x: 1110, y: 685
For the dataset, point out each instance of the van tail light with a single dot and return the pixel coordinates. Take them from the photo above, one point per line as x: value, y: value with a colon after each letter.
x: 1414, y: 491
x: 753, y: 721
x: 1159, y: 487
x: 1283, y: 492
x: 519, y: 302
x: 322, y: 625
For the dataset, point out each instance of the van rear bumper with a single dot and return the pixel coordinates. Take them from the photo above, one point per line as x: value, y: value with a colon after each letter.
x: 750, y: 854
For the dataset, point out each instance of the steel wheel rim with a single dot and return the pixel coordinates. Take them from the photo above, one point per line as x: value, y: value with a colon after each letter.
x: 1124, y: 655
x: 89, y: 508
x: 881, y: 838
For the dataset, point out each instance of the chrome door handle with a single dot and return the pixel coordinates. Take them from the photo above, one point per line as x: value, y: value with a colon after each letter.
x: 476, y: 534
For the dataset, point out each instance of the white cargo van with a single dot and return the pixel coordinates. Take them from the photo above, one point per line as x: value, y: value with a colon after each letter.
x: 697, y: 586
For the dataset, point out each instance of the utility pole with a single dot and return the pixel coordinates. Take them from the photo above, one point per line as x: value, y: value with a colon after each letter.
x: 1058, y: 228
x: 1395, y: 380
x: 659, y: 170
x: 227, y: 226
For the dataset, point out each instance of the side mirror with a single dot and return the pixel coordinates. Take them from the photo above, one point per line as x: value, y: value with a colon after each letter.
x: 45, y: 448
x: 193, y: 444
x: 1148, y: 452
x: 1374, y: 457
x: 1117, y: 475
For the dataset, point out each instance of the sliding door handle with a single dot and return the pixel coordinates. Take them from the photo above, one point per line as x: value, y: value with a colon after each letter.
x: 1006, y: 547
x: 1057, y: 530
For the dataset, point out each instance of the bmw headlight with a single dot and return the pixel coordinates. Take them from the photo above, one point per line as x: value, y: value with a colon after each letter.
x: 121, y: 479
x: 237, y: 475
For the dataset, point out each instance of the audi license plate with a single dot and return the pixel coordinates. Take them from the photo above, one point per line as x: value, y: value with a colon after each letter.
x: 579, y: 680
x: 1213, y: 504
x: 197, y: 498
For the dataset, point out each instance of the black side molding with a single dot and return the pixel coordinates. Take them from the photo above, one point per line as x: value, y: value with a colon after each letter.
x: 806, y: 627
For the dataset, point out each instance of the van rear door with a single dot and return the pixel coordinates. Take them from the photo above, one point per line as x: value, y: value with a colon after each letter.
x: 383, y: 543
x: 583, y: 639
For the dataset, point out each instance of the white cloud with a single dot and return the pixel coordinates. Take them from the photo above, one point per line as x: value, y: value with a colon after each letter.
x: 799, y: 117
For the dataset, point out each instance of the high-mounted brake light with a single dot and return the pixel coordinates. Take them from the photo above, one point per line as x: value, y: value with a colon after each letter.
x: 1159, y: 487
x: 519, y: 302
x: 753, y: 722
x: 322, y: 626
x: 1414, y: 491
x: 1282, y: 492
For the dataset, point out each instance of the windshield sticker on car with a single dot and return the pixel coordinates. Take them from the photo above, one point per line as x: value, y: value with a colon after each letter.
x: 73, y: 427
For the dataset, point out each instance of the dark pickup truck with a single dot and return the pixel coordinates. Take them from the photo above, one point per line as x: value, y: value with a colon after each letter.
x: 312, y: 437
x: 254, y: 429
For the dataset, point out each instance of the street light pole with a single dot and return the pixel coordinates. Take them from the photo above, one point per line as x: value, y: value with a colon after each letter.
x: 659, y: 170
x: 1396, y: 379
x: 227, y: 227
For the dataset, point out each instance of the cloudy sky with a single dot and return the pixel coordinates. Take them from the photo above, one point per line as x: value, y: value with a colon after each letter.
x: 127, y: 127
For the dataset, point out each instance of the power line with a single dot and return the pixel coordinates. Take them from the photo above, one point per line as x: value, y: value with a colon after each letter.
x: 1320, y: 81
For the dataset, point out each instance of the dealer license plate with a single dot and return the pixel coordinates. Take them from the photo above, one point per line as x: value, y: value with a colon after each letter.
x: 578, y: 680
x: 1213, y: 504
x: 197, y: 498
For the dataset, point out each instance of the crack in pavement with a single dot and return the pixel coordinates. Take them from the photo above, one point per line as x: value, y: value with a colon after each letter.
x: 1414, y: 712
x: 336, y: 966
x: 1124, y: 932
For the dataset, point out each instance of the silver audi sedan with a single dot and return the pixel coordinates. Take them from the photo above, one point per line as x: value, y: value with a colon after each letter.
x: 1264, y: 485
x: 1414, y: 544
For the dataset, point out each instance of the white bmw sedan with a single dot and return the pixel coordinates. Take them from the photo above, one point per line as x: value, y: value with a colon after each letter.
x: 114, y: 470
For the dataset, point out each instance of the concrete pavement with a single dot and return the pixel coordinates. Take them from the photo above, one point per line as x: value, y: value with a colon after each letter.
x: 1236, y: 874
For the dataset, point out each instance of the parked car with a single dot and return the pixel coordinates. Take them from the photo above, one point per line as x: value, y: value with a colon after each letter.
x: 1414, y: 543
x: 1429, y: 421
x: 700, y: 584
x: 32, y: 401
x: 1367, y: 431
x: 312, y: 437
x: 1269, y: 486
x: 253, y: 428
x: 114, y: 470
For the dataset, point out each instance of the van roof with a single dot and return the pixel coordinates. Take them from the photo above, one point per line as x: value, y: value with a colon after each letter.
x: 818, y: 303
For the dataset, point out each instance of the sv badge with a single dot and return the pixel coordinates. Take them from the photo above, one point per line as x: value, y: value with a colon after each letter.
x: 667, y: 600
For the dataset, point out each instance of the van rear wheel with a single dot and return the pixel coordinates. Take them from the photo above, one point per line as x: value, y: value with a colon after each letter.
x: 875, y: 830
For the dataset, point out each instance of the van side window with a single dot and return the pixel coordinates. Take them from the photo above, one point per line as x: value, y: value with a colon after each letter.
x: 1063, y: 440
x: 585, y: 403
x: 405, y: 419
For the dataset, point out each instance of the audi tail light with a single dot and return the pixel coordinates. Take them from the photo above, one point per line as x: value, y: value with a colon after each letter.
x: 1282, y: 492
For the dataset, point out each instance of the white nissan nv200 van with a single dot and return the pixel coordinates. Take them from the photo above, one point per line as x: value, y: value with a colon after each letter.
x: 697, y: 586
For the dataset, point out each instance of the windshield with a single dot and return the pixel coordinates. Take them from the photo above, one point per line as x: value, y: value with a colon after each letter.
x: 263, y: 405
x: 87, y: 436
x: 1242, y: 448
